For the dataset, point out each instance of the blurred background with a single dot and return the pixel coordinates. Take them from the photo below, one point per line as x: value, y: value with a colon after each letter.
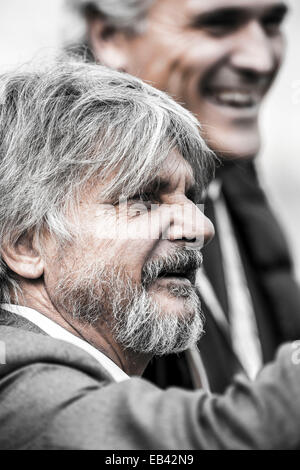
x: 35, y: 28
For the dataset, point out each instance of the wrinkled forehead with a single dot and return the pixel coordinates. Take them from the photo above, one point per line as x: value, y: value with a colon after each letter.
x: 173, y: 173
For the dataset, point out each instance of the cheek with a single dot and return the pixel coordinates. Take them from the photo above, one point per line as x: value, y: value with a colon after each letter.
x: 125, y: 254
x: 132, y: 256
x: 203, y: 51
x: 188, y: 68
x: 114, y: 238
x: 128, y: 256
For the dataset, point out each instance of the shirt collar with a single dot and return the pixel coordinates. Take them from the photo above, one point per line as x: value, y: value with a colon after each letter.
x: 56, y: 331
x: 214, y: 189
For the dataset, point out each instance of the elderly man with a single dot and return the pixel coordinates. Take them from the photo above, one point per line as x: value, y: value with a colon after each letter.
x: 100, y: 239
x: 219, y: 58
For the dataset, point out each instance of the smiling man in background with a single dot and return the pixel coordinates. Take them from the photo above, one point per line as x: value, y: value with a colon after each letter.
x: 218, y: 58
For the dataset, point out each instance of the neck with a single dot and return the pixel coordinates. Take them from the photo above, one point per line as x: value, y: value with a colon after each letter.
x: 226, y: 166
x: 98, y: 335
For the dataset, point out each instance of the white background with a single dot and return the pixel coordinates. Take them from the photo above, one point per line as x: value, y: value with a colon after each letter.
x: 35, y: 28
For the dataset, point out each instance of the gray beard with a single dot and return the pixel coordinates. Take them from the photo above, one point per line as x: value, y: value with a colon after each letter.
x: 105, y: 295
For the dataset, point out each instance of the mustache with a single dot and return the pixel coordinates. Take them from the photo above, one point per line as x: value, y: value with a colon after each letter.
x: 184, y: 262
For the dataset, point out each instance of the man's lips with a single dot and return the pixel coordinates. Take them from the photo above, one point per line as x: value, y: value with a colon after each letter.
x: 178, y: 267
x: 229, y: 88
x: 187, y: 275
x: 234, y: 97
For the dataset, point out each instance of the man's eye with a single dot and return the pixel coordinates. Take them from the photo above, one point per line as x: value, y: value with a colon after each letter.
x: 220, y: 27
x: 145, y: 198
x: 272, y: 24
x: 140, y: 197
x: 138, y: 208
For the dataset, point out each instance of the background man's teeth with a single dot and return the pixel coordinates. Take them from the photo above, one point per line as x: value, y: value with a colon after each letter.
x: 235, y: 97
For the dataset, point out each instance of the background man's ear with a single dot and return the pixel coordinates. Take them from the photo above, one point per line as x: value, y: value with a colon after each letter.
x: 24, y: 258
x: 108, y: 45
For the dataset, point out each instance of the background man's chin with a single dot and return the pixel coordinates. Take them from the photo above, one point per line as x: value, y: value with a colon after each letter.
x: 236, y: 144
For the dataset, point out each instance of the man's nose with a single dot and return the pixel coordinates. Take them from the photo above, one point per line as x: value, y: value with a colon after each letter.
x: 253, y: 51
x: 190, y: 226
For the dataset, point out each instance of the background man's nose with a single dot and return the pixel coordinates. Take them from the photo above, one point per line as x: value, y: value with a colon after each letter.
x: 253, y: 51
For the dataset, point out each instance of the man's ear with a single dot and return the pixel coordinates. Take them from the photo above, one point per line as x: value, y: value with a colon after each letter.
x: 108, y: 45
x: 24, y: 257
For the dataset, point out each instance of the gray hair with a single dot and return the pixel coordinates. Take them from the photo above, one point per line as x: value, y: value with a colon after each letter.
x: 70, y: 124
x: 126, y: 15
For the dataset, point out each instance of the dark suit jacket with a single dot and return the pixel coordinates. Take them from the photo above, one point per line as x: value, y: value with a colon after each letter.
x: 53, y: 395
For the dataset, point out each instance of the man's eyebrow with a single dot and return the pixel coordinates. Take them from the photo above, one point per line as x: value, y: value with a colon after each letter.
x: 201, y: 19
x: 279, y: 9
x: 235, y: 12
x: 159, y: 184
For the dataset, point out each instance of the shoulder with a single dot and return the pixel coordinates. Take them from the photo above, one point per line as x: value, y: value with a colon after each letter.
x: 53, y: 396
x: 39, y: 381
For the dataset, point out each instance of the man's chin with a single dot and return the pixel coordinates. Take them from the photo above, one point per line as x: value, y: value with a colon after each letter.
x: 174, y: 298
x: 239, y: 144
x: 159, y: 323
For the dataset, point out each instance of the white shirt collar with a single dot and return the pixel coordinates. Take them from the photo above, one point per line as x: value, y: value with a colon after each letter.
x: 214, y: 189
x: 56, y: 331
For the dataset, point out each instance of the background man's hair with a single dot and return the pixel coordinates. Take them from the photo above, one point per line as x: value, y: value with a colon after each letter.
x: 125, y: 15
x: 72, y: 123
